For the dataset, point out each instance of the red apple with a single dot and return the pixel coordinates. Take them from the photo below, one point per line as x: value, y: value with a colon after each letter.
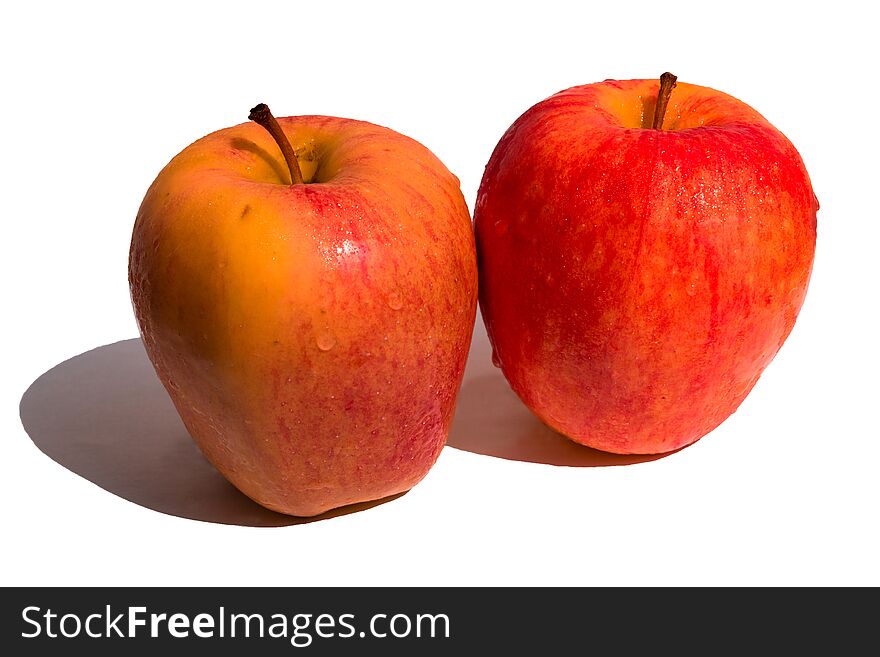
x: 636, y: 280
x: 312, y: 335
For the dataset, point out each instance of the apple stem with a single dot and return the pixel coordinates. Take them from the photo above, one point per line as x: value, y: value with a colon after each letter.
x: 667, y: 84
x: 263, y: 116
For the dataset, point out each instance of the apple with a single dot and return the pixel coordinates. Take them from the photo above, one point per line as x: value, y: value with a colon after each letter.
x: 644, y: 254
x: 306, y: 289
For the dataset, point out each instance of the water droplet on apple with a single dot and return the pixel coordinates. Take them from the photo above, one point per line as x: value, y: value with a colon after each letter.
x: 325, y: 341
x: 496, y: 359
x: 500, y: 227
x: 395, y: 302
x: 692, y: 289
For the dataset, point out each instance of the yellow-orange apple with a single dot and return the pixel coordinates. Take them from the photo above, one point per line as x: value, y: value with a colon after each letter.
x: 644, y: 253
x: 307, y: 298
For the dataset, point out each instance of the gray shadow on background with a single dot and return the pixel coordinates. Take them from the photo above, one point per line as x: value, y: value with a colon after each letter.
x: 105, y: 416
x: 491, y: 420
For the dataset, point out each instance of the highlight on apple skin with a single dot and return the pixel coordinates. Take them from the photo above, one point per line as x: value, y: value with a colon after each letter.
x: 312, y: 336
x: 636, y: 281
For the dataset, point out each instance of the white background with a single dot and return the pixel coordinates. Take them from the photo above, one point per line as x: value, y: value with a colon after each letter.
x: 97, y: 98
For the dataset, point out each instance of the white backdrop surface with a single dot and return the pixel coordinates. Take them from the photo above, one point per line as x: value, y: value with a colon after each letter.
x: 98, y: 97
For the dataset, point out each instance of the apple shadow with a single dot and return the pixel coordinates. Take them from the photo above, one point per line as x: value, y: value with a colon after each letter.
x: 105, y: 416
x: 492, y: 421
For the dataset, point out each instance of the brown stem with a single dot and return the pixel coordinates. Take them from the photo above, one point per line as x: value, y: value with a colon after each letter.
x: 263, y: 116
x: 667, y: 84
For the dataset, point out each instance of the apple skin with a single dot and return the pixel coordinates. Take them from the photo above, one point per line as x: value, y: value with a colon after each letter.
x: 636, y: 282
x: 312, y: 337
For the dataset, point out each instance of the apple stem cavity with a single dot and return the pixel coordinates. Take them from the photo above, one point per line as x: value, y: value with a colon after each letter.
x: 667, y: 84
x: 262, y: 115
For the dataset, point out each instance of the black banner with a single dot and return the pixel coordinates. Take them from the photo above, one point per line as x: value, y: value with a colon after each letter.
x: 435, y: 621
